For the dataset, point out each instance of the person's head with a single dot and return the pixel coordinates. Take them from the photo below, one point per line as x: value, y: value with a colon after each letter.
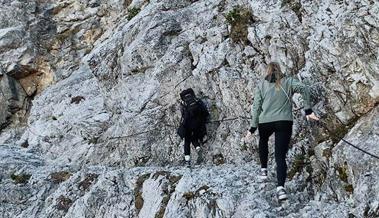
x: 274, y: 73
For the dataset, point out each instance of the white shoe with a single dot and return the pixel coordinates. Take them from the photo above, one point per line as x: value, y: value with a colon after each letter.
x: 263, y: 174
x: 281, y: 193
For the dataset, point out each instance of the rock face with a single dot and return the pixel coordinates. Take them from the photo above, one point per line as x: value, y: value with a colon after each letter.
x: 89, y: 95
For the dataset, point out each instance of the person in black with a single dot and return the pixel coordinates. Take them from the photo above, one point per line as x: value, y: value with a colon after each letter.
x: 192, y: 127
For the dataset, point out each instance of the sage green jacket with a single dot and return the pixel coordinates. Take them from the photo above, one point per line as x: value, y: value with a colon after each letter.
x: 274, y: 103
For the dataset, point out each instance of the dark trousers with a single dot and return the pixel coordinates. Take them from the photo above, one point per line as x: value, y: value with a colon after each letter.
x: 283, y: 132
x: 193, y: 137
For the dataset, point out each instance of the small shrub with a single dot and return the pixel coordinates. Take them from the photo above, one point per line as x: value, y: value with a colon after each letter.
x: 342, y: 173
x: 349, y: 188
x: 64, y: 203
x: 88, y: 181
x: 174, y: 179
x: 20, y: 179
x: 239, y: 19
x: 58, y: 177
x: 132, y: 12
x: 189, y: 196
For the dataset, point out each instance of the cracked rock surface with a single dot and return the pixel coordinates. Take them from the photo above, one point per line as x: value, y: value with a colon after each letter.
x: 89, y: 107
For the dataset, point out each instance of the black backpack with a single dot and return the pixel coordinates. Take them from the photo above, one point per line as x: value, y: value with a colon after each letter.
x: 194, y: 111
x: 192, y: 106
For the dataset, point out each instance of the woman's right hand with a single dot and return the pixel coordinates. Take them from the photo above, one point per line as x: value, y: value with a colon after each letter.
x: 312, y: 116
x: 248, y: 135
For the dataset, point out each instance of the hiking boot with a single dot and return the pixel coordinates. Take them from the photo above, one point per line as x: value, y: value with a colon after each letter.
x: 263, y: 174
x: 281, y: 193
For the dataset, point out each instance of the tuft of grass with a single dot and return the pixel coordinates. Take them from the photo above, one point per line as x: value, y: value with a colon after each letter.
x: 58, y: 177
x: 239, y: 19
x: 349, y: 188
x: 20, y: 179
x: 132, y: 12
x: 342, y: 173
x: 189, y: 196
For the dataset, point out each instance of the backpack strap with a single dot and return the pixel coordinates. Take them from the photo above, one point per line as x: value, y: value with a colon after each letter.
x: 288, y: 97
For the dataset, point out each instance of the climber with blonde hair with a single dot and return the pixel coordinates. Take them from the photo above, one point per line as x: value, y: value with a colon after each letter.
x: 272, y: 113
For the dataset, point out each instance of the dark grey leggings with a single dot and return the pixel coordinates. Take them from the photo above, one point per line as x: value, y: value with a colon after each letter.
x: 283, y: 132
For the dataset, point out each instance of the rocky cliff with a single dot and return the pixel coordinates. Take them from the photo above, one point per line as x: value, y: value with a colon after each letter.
x: 89, y: 96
